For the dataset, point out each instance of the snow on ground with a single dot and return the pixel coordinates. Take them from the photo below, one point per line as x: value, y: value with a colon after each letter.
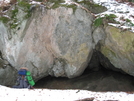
x: 11, y: 94
x: 123, y: 11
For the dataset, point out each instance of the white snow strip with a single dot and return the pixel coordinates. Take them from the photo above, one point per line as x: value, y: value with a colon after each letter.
x: 11, y: 94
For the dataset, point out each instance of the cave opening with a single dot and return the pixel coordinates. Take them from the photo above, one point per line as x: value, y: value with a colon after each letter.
x: 101, y: 80
x: 100, y: 75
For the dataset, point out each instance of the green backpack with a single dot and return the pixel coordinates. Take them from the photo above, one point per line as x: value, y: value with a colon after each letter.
x: 29, y: 78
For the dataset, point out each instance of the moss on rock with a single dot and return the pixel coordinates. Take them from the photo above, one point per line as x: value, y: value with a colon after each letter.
x: 78, y: 58
x: 13, y: 19
x: 4, y: 19
x: 123, y: 39
x: 94, y: 8
x: 118, y: 46
x: 109, y: 53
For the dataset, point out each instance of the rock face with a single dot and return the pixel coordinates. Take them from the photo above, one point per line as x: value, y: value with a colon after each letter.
x: 60, y: 42
x: 119, y: 49
x: 57, y: 42
x: 7, y: 73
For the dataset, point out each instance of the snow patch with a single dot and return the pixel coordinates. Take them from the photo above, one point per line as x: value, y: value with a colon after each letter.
x: 60, y: 95
x: 123, y: 11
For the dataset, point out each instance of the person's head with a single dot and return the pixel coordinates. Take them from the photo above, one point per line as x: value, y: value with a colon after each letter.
x: 22, y: 71
x: 24, y: 68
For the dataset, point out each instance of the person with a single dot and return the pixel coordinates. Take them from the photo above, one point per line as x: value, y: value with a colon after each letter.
x: 24, y: 79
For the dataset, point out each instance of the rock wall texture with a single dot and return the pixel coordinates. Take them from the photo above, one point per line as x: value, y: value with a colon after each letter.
x: 61, y: 42
x: 119, y: 49
x: 57, y: 42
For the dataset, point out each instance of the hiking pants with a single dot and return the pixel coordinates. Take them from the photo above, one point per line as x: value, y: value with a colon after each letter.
x: 22, y: 83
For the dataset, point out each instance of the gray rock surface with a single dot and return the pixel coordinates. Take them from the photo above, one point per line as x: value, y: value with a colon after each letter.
x: 57, y: 42
x: 7, y: 73
x: 118, y: 48
x: 60, y: 42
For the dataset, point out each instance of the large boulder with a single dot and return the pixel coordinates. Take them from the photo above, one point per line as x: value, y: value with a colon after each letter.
x: 119, y: 49
x: 55, y: 42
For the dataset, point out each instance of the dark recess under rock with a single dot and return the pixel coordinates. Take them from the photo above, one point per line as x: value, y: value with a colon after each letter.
x: 102, y: 80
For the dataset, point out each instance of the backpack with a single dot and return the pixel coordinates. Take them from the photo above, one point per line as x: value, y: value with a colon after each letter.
x: 28, y: 76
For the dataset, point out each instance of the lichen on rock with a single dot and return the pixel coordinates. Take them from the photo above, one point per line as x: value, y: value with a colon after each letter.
x: 118, y: 48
